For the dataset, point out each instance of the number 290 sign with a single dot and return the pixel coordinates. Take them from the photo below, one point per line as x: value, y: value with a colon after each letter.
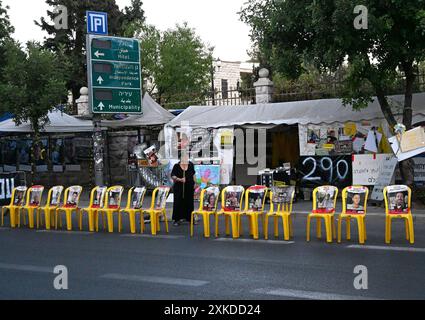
x: 332, y: 170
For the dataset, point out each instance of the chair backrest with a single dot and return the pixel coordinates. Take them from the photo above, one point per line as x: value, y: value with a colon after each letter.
x: 354, y: 200
x: 54, y: 196
x: 282, y: 198
x: 324, y: 199
x: 34, y: 196
x: 209, y: 199
x: 159, y: 197
x: 232, y: 198
x: 18, y: 196
x: 255, y: 198
x: 398, y: 199
x: 113, y: 197
x: 72, y: 196
x: 97, y: 197
x: 136, y: 197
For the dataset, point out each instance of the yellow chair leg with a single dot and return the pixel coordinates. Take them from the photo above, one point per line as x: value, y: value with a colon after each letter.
x: 364, y: 228
x: 166, y: 223
x: 333, y: 227
x: 388, y: 231
x: 206, y: 222
x: 158, y: 222
x: 291, y: 226
x: 235, y: 226
x: 406, y: 224
x: 339, y: 229
x: 110, y: 218
x: 411, y: 229
x: 319, y: 228
x: 132, y: 218
x: 2, y: 216
x: 286, y: 231
x: 360, y: 228
x: 12, y: 213
x: 68, y: 220
x: 91, y: 216
x: 119, y: 222
x: 328, y: 225
x: 153, y: 223
x: 37, y: 218
x: 216, y: 225
x: 191, y: 224
x: 348, y: 226
x: 266, y: 227
x: 80, y: 219
x: 227, y: 224
x: 308, y: 227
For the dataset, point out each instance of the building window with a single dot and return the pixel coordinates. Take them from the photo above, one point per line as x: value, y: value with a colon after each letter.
x: 224, y: 88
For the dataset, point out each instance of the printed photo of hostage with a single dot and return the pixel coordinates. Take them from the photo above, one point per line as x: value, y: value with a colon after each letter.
x: 210, y: 198
x: 398, y: 199
x: 19, y: 197
x: 356, y: 198
x: 326, y: 198
x: 282, y: 194
x: 36, y: 196
x: 232, y: 200
x: 73, y: 196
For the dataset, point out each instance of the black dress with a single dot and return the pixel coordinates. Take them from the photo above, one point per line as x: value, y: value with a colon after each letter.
x: 183, y: 193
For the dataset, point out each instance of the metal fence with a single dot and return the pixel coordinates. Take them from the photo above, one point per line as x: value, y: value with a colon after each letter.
x: 246, y: 96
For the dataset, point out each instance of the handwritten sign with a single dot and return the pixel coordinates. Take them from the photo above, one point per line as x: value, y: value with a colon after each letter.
x: 384, y: 179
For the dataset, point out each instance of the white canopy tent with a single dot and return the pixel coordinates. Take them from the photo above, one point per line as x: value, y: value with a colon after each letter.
x: 153, y: 115
x: 59, y: 122
x: 300, y: 112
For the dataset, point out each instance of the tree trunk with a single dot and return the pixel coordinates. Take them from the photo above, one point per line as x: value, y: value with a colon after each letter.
x: 407, y: 167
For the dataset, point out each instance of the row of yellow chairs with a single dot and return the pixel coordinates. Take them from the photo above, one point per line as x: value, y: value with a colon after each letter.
x: 104, y: 203
x: 324, y: 208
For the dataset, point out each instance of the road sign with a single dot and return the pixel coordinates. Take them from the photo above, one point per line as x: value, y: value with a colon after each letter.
x: 114, y: 72
x: 97, y: 22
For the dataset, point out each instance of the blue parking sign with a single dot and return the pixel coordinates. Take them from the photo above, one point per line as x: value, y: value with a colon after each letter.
x: 97, y: 23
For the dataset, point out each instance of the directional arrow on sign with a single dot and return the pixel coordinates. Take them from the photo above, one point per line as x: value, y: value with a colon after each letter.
x: 99, y: 54
x: 100, y: 80
x: 101, y: 106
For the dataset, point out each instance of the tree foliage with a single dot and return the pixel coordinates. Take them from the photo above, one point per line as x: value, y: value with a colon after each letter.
x: 178, y: 61
x: 6, y: 30
x: 289, y: 33
x: 33, y: 83
x: 73, y: 40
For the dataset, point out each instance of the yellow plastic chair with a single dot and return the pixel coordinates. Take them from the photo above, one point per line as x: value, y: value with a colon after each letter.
x: 70, y: 204
x: 255, y: 200
x: 34, y: 198
x: 207, y: 207
x: 113, y: 204
x: 157, y: 209
x: 135, y: 199
x: 231, y: 206
x: 398, y: 201
x: 281, y: 201
x: 96, y: 202
x: 16, y: 203
x: 324, y: 204
x: 355, y: 210
x: 52, y: 203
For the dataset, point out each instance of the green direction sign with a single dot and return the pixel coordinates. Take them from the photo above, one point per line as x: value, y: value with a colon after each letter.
x: 114, y: 73
x: 116, y: 101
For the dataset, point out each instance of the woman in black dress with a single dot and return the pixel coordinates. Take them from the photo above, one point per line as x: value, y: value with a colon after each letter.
x: 183, y: 175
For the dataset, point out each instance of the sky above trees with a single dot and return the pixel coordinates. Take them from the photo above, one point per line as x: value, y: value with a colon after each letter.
x: 216, y: 22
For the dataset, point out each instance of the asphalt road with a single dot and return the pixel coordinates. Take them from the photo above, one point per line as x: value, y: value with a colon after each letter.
x: 176, y: 267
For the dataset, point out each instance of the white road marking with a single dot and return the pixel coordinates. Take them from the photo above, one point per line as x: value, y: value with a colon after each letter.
x: 254, y: 241
x: 27, y: 268
x: 387, y: 248
x: 310, y: 295
x: 84, y: 233
x: 159, y: 280
x: 148, y: 236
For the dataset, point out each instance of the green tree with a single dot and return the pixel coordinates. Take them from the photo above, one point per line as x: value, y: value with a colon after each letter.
x: 34, y: 81
x: 291, y: 32
x: 6, y: 30
x: 73, y: 40
x: 179, y: 63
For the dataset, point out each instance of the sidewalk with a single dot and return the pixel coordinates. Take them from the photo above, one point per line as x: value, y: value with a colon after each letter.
x: 300, y: 207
